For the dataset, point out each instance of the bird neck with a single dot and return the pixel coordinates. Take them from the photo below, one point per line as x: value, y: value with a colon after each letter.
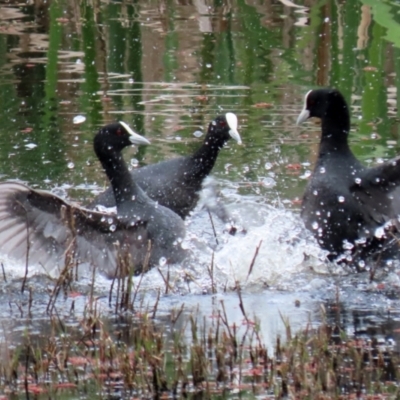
x: 207, y: 154
x: 124, y: 188
x: 335, y: 134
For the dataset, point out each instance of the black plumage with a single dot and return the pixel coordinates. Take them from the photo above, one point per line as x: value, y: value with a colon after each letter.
x: 40, y: 228
x: 349, y: 208
x: 176, y: 183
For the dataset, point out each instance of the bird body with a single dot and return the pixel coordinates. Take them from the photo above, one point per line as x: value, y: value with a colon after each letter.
x: 346, y: 205
x: 176, y: 183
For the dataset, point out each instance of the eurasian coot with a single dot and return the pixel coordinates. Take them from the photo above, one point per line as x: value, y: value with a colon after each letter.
x: 40, y: 228
x: 348, y: 207
x: 176, y: 183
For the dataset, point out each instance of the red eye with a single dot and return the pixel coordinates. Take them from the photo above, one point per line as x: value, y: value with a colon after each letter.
x: 119, y: 132
x: 222, y: 123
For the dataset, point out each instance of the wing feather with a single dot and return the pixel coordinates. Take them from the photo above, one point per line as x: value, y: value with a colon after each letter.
x: 51, y: 226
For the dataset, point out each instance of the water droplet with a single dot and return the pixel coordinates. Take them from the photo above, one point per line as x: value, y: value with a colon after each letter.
x: 113, y: 228
x: 357, y: 181
x: 268, y: 165
x: 70, y: 165
x: 162, y: 261
x: 361, y: 264
x: 361, y: 241
x: 178, y: 138
x: 208, y: 65
x: 140, y: 237
x: 379, y: 232
x: 315, y: 192
x: 78, y: 119
x: 197, y: 133
x: 347, y: 245
x: 30, y: 146
x: 315, y: 225
x: 110, y: 221
x: 306, y: 175
x: 340, y: 199
x: 322, y: 170
x: 268, y: 182
x: 134, y: 162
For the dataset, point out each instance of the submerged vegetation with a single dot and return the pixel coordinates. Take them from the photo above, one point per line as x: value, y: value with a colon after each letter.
x: 132, y: 350
x: 144, y: 359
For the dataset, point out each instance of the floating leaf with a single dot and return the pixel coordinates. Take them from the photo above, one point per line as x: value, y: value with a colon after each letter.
x: 296, y: 201
x: 370, y: 68
x: 262, y: 105
x: 62, y: 20
x: 27, y: 130
x: 293, y: 166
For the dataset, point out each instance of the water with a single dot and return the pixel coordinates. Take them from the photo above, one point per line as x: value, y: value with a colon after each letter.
x: 66, y: 69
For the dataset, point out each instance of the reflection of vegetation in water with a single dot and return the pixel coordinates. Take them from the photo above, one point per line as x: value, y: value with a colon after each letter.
x: 50, y: 138
x: 170, y: 59
x: 92, y: 43
x: 386, y: 14
x: 239, y: 54
x: 134, y: 64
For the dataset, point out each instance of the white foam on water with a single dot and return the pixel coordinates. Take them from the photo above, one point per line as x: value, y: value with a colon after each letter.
x: 285, y: 250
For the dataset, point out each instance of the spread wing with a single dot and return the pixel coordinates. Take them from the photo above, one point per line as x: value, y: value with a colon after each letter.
x: 385, y: 175
x: 378, y: 196
x: 376, y: 191
x: 40, y: 228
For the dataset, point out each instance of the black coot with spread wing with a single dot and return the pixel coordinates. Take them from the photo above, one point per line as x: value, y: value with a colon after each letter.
x: 347, y: 205
x: 40, y: 228
x: 176, y: 183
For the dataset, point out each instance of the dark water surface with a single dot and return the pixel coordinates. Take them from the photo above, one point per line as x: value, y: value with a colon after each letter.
x: 168, y: 68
